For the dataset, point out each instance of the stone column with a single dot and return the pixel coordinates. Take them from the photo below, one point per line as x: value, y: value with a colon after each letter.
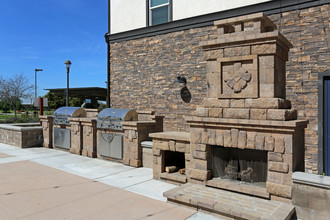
x: 47, y: 130
x: 89, y: 137
x: 132, y: 149
x: 76, y: 136
x: 134, y: 133
x: 198, y: 170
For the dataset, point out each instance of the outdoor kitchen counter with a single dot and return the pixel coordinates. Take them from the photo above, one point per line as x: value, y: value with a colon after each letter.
x: 135, y: 132
x: 172, y: 135
x: 135, y: 123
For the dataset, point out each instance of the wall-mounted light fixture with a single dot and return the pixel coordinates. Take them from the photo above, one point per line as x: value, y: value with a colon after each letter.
x: 181, y: 80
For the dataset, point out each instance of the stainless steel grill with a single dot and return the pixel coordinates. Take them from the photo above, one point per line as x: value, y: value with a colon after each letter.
x: 62, y: 135
x: 62, y: 114
x: 110, y: 142
x: 110, y: 118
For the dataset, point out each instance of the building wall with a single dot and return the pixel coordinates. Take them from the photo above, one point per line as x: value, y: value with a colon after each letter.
x: 143, y: 71
x: 128, y: 15
x: 308, y: 31
x: 189, y: 8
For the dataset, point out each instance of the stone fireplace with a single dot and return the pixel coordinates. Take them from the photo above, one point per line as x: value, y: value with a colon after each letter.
x: 244, y: 136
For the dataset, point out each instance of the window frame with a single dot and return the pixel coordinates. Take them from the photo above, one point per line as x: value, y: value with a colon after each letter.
x: 149, y: 12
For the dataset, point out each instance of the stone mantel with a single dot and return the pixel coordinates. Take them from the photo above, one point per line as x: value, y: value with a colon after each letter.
x: 195, y: 121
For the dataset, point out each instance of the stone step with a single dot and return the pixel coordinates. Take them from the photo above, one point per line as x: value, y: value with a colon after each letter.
x: 228, y: 203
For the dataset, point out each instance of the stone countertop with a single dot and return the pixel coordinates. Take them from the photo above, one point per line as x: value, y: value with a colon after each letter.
x: 82, y: 119
x: 172, y: 135
x: 45, y: 116
x: 21, y: 126
x: 311, y: 179
x: 292, y: 123
x: 135, y: 123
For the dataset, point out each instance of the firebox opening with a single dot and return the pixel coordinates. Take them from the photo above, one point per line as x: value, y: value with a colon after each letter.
x: 173, y: 158
x: 245, y: 165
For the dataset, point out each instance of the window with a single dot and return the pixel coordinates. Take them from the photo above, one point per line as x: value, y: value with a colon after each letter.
x: 159, y: 11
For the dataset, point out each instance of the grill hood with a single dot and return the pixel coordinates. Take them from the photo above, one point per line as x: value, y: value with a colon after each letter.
x: 70, y: 112
x: 118, y: 114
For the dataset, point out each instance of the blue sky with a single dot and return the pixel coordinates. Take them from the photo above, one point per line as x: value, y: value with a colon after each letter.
x: 45, y: 33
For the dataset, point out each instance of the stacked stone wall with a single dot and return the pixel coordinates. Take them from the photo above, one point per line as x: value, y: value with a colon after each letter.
x: 308, y: 31
x: 143, y: 71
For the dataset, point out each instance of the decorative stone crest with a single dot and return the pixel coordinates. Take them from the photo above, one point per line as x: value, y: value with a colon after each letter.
x: 88, y: 130
x: 45, y: 126
x: 240, y: 78
x: 75, y: 128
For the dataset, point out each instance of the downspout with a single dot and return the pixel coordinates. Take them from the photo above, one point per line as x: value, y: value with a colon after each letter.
x: 107, y: 39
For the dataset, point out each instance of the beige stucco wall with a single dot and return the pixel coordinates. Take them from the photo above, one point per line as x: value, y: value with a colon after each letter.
x: 189, y: 8
x: 129, y: 15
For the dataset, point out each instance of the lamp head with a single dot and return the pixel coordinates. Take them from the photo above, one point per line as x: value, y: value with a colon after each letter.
x: 67, y: 64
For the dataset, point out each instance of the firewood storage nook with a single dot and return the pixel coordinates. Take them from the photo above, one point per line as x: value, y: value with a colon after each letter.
x: 244, y: 137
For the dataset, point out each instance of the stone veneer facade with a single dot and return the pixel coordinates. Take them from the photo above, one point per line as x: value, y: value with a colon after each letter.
x: 160, y: 59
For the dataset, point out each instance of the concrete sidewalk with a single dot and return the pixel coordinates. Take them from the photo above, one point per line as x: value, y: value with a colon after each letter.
x: 41, y: 183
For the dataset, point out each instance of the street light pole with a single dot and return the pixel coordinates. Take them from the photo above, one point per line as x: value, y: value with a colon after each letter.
x: 67, y: 65
x: 35, y: 78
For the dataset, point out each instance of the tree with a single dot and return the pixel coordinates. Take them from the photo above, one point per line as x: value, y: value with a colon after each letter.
x: 4, y: 106
x: 15, y: 88
x: 76, y: 102
x: 55, y: 101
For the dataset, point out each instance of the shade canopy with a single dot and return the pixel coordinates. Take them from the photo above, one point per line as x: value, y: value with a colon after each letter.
x: 84, y: 92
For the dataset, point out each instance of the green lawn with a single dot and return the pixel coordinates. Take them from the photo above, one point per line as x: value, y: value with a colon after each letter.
x: 4, y: 117
x: 21, y: 118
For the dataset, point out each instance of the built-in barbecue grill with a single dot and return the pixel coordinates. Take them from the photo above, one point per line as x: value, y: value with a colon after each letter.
x: 62, y: 114
x: 110, y: 143
x: 62, y: 134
